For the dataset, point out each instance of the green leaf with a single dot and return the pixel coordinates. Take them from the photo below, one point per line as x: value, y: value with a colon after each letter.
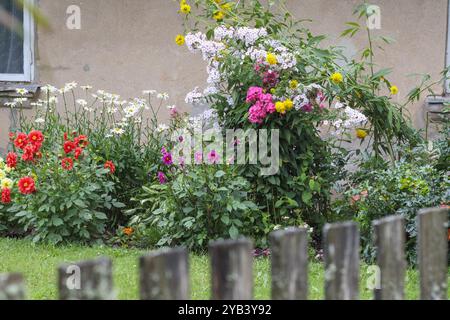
x: 188, y: 210
x: 79, y: 203
x: 225, y: 219
x: 233, y: 231
x: 56, y: 221
x: 118, y: 205
x: 306, y: 197
x: 21, y: 214
x: 219, y: 174
x: 100, y: 215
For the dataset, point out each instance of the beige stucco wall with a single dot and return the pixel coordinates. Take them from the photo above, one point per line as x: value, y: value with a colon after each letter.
x: 126, y: 46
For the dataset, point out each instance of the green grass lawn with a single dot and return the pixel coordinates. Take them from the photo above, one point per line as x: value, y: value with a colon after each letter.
x: 39, y: 262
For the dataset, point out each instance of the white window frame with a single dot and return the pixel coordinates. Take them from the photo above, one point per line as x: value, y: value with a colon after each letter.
x: 28, y: 50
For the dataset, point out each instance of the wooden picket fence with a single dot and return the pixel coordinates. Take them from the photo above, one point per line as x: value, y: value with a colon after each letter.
x: 164, y: 273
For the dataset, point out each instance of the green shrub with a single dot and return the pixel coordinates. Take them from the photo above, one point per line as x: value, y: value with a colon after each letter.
x: 380, y: 189
x: 71, y: 194
x: 197, y: 204
x: 268, y: 71
x: 122, y: 131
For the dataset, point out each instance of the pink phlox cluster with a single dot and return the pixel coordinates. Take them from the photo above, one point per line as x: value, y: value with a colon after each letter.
x: 262, y: 104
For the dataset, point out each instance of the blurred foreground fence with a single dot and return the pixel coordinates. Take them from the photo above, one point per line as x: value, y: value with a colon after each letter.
x: 164, y: 274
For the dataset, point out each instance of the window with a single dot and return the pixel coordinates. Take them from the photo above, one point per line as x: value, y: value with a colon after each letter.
x: 17, y: 43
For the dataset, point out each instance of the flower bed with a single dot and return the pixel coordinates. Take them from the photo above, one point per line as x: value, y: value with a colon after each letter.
x: 92, y: 167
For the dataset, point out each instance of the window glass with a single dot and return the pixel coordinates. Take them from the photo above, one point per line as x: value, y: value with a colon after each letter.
x: 11, y: 41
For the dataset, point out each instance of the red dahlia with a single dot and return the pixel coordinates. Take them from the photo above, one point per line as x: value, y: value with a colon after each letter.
x: 28, y: 153
x: 69, y: 146
x: 78, y: 152
x: 6, y: 196
x: 81, y: 141
x: 21, y: 140
x: 11, y: 160
x: 36, y: 138
x: 110, y: 165
x: 67, y: 164
x: 27, y: 185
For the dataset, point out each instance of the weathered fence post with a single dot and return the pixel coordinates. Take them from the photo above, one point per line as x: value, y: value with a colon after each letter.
x: 432, y: 253
x: 389, y: 234
x: 289, y: 256
x: 341, y: 251
x: 232, y: 269
x: 12, y: 286
x: 87, y: 280
x: 164, y: 275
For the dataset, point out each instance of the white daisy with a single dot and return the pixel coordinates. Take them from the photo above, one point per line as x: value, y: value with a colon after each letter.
x: 162, y: 127
x: 82, y: 102
x: 22, y: 91
x: 117, y: 131
x: 163, y: 96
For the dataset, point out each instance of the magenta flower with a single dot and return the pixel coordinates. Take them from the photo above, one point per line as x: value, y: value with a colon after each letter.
x: 198, y: 157
x: 263, y: 104
x: 213, y: 157
x: 257, y: 113
x: 254, y: 94
x: 308, y: 107
x: 270, y: 78
x: 270, y: 107
x: 162, y: 177
x: 166, y: 157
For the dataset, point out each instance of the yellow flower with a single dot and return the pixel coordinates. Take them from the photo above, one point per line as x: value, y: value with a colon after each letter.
x: 280, y: 107
x: 226, y: 6
x: 293, y: 84
x: 361, y: 133
x: 6, y: 183
x: 271, y: 59
x: 2, y: 174
x: 8, y: 169
x: 185, y: 8
x: 179, y: 40
x: 394, y: 90
x: 218, y: 15
x: 336, y: 78
x: 288, y: 104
